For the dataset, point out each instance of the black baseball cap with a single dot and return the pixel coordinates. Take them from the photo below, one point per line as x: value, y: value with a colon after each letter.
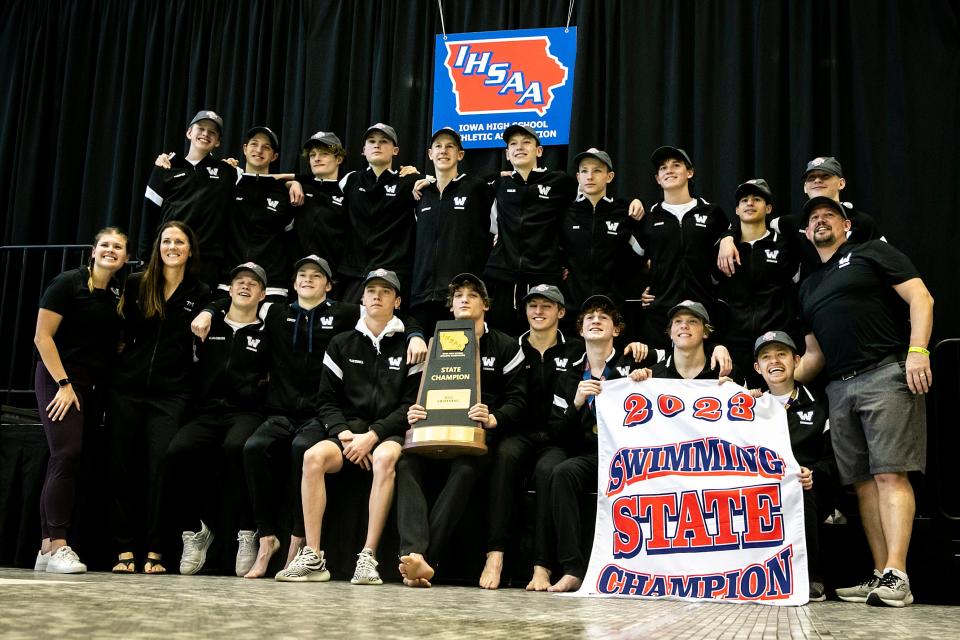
x: 386, y: 130
x: 271, y: 136
x: 662, y: 153
x: 593, y: 152
x: 771, y: 337
x: 598, y: 300
x: 327, y: 138
x: 253, y: 268
x: 208, y: 115
x: 547, y: 291
x: 822, y: 201
x: 314, y: 259
x: 827, y: 164
x: 461, y: 278
x: 447, y: 131
x: 695, y: 308
x: 520, y: 128
x: 390, y: 277
x: 756, y: 186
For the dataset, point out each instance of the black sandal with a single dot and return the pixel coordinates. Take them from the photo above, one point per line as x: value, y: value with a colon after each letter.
x: 125, y: 565
x: 154, y: 563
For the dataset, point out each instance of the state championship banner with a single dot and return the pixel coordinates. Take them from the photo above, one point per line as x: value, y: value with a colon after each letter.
x: 485, y: 81
x: 698, y: 496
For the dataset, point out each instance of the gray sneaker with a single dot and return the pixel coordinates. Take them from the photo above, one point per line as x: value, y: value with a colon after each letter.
x: 366, y: 571
x: 246, y: 552
x: 195, y: 547
x: 860, y: 592
x: 893, y: 591
x: 817, y: 592
x: 308, y: 566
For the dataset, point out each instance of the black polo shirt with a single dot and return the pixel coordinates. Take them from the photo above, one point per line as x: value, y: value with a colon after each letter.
x: 851, y: 307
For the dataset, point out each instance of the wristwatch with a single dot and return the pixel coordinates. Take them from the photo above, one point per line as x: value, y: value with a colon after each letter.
x: 63, y: 382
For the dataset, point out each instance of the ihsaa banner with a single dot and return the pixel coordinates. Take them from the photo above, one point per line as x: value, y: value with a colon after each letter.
x: 484, y: 82
x: 698, y: 496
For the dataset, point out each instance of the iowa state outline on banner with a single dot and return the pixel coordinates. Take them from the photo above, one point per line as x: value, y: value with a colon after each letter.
x: 698, y: 496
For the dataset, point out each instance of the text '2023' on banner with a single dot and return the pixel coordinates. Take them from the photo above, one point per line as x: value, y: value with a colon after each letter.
x: 486, y: 81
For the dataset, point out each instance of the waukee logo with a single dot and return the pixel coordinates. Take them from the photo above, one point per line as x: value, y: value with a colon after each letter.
x: 515, y: 75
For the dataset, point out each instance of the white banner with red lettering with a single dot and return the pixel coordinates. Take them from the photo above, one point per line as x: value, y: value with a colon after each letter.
x: 698, y: 496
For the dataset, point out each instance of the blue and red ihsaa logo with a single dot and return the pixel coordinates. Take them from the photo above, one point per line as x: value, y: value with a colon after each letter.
x: 507, y: 74
x: 484, y: 82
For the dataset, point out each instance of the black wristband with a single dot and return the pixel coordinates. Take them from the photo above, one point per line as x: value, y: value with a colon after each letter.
x: 63, y: 382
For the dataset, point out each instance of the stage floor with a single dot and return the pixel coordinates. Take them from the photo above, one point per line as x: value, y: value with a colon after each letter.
x: 101, y: 605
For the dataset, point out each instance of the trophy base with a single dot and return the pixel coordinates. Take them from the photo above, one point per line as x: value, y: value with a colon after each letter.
x: 445, y: 441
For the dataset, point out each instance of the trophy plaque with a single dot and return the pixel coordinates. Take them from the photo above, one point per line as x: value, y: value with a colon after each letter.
x: 449, y: 387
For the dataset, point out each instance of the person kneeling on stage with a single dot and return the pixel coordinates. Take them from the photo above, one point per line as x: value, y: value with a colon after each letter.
x: 365, y: 390
x: 776, y: 359
x: 233, y: 363
x: 423, y: 534
x: 574, y: 420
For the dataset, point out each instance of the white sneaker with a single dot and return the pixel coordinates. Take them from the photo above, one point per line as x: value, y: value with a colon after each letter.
x: 65, y: 560
x: 308, y: 566
x: 366, y: 571
x: 40, y: 564
x: 246, y: 551
x: 195, y: 547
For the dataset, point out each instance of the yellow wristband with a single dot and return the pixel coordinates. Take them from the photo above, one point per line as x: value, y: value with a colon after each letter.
x: 918, y: 350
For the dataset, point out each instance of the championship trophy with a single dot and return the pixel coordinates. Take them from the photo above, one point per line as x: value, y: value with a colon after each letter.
x: 449, y: 387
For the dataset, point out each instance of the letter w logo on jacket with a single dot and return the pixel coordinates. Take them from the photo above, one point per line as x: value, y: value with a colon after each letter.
x: 701, y: 219
x: 489, y: 361
x: 806, y: 417
x: 459, y: 202
x: 391, y: 189
x: 272, y: 204
x: 561, y: 362
x: 624, y: 371
x: 394, y: 362
x: 612, y: 226
x: 772, y: 254
x: 326, y: 322
x: 253, y: 343
x: 214, y: 171
x: 544, y: 190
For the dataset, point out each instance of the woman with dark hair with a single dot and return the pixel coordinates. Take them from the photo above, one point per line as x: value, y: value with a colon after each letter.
x: 76, y: 337
x: 151, y: 388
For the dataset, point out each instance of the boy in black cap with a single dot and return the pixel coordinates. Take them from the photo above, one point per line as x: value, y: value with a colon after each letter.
x: 762, y: 295
x: 574, y: 419
x: 453, y: 229
x: 600, y: 253
x: 823, y: 176
x: 529, y: 206
x: 679, y: 235
x: 322, y: 224
x: 423, y: 533
x: 365, y: 390
x: 382, y: 220
x: 261, y: 212
x: 231, y: 379
x: 194, y: 189
x: 776, y: 359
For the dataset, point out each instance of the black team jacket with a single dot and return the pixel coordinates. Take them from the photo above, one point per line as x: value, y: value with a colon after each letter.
x: 322, y: 223
x: 232, y: 367
x: 503, y: 381
x: 255, y: 229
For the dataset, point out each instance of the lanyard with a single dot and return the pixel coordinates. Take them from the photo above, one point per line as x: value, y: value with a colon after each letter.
x: 588, y: 376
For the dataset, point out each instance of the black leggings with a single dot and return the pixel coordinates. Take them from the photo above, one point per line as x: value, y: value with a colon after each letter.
x: 66, y: 440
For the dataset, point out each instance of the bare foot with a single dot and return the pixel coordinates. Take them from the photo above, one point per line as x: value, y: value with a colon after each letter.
x: 540, y: 580
x: 269, y: 545
x: 566, y: 583
x: 490, y: 578
x: 415, y: 570
x: 296, y: 543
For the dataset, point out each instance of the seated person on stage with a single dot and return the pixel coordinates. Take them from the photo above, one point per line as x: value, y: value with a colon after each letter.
x: 365, y: 390
x: 233, y: 363
x: 807, y: 417
x: 574, y: 421
x: 424, y: 533
x: 688, y: 328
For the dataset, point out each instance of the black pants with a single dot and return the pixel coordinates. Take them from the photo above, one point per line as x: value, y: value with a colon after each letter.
x: 66, y: 439
x: 818, y: 503
x: 571, y: 479
x: 427, y: 531
x: 141, y: 428
x: 277, y: 445
x: 208, y: 443
x: 510, y: 461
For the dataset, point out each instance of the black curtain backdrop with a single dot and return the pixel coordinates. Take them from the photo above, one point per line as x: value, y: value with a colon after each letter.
x: 92, y: 90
